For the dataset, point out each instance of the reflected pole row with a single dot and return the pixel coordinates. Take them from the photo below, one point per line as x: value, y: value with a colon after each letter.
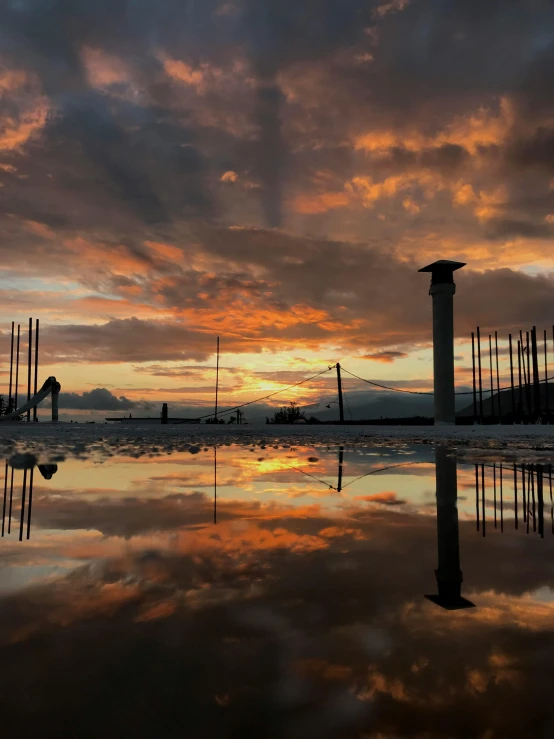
x: 531, y: 484
x: 26, y: 497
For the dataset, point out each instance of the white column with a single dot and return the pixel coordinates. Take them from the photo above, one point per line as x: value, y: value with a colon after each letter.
x: 443, y: 352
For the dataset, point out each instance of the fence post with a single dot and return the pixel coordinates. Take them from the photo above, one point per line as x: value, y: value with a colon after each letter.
x: 442, y: 291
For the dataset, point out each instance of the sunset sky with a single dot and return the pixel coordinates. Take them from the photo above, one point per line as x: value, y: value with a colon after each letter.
x: 275, y: 173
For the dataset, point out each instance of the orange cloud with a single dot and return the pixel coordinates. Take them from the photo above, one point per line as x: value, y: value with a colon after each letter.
x: 14, y: 133
x: 229, y: 177
x: 31, y: 108
x: 195, y: 77
x: 157, y: 611
x: 118, y: 257
x: 40, y: 229
x: 369, y: 191
x: 393, y: 6
x: 167, y: 251
x: 104, y: 69
x: 480, y: 128
x: 320, y: 203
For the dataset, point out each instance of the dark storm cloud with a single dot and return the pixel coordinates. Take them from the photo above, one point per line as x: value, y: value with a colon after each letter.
x: 128, y: 340
x: 141, y: 168
x: 536, y: 152
x: 427, y: 54
x: 510, y: 227
x: 99, y: 399
x: 385, y: 356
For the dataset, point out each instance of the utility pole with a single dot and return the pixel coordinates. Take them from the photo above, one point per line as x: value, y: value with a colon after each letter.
x: 216, y: 378
x: 341, y: 459
x: 339, y: 385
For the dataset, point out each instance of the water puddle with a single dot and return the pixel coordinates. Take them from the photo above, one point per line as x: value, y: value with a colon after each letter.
x: 277, y: 590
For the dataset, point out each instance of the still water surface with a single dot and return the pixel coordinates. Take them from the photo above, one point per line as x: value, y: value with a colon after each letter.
x: 278, y: 592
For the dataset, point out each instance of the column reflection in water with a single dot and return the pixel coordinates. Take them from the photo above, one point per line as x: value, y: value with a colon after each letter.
x: 448, y: 574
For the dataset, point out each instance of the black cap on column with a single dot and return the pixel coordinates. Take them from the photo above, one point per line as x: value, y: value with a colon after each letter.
x: 442, y: 271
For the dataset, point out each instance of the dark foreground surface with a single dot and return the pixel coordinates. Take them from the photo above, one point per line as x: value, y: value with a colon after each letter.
x: 277, y: 590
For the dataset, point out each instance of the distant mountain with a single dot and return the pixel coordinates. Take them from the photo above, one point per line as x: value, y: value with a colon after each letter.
x: 506, y: 407
x: 381, y: 404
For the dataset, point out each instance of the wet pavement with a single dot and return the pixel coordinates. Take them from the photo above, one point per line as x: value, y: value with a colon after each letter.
x: 276, y: 589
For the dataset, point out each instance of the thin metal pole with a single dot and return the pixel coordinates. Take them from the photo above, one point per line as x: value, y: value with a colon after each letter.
x: 483, y: 496
x: 17, y: 366
x: 519, y: 358
x: 216, y: 378
x: 480, y: 377
x: 474, y: 378
x: 540, y: 499
x: 477, y: 494
x: 36, y: 368
x: 551, y: 501
x: 512, y: 382
x: 11, y: 499
x: 11, y: 369
x: 497, y: 379
x: 215, y: 483
x: 547, y: 400
x: 536, y: 386
x: 532, y: 475
x: 515, y: 499
x: 23, y: 504
x: 524, y: 499
x: 492, y: 384
x: 501, y: 501
x: 5, y: 497
x: 524, y: 372
x: 30, y: 502
x: 29, y: 365
x: 528, y: 499
x: 529, y: 398
x: 494, y: 494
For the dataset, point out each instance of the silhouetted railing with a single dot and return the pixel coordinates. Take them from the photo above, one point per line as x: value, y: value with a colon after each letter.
x: 527, y: 398
x: 527, y: 488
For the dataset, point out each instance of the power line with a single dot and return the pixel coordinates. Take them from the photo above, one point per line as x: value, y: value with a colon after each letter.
x: 265, y: 397
x: 420, y: 392
x: 383, y: 469
x: 385, y: 387
x: 348, y: 405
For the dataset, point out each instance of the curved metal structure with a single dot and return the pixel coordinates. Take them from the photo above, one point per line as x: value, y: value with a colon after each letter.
x: 50, y: 387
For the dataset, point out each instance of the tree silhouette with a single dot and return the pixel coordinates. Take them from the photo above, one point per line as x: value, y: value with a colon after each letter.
x: 289, y: 414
